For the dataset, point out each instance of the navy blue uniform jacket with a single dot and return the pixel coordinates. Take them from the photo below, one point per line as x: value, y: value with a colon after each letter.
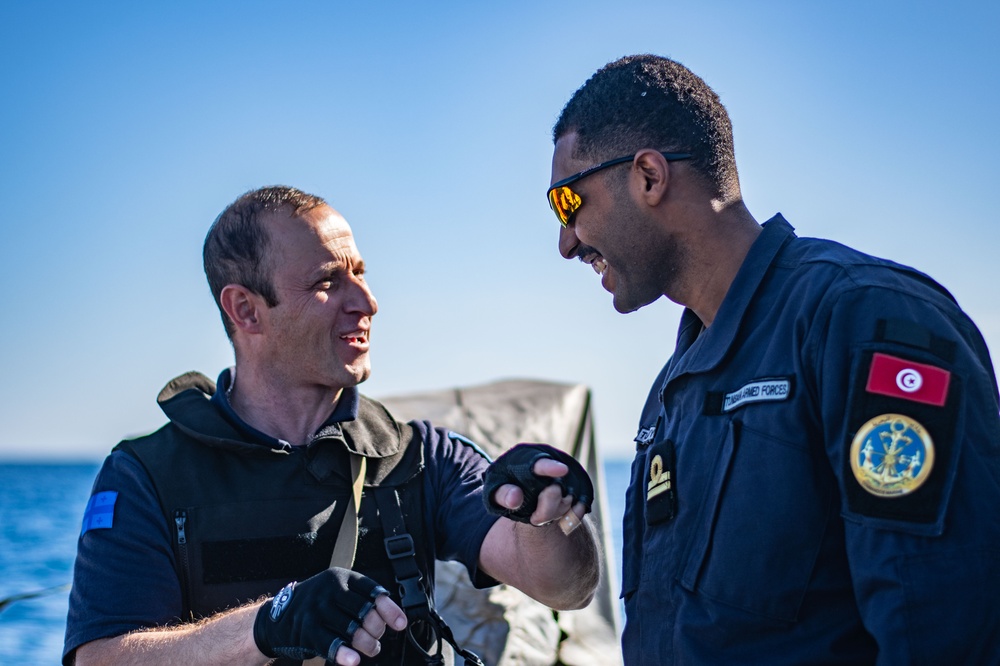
x: 817, y: 474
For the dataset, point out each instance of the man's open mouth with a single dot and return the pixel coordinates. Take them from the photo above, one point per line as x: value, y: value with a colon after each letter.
x: 356, y: 337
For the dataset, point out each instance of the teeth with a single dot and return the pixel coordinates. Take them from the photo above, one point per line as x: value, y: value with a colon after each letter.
x: 599, y: 265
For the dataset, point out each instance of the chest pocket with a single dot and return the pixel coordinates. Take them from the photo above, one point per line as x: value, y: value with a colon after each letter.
x: 633, y: 525
x: 760, y: 526
x: 232, y: 553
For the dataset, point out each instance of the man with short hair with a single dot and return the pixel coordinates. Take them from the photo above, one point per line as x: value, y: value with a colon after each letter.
x: 284, y: 473
x: 817, y: 465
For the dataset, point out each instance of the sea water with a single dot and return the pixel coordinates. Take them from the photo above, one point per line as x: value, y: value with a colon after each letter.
x: 41, y: 507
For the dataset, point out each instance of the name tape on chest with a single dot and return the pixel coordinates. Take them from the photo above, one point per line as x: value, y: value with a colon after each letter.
x: 759, y: 390
x: 645, y: 435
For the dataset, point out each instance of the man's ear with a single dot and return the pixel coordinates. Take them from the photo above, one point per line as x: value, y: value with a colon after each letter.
x: 654, y: 174
x: 243, y: 307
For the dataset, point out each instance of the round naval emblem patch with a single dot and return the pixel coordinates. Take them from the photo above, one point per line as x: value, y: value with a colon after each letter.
x: 892, y: 455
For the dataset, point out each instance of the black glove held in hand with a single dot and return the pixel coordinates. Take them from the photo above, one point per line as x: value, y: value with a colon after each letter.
x: 315, y: 617
x: 515, y: 467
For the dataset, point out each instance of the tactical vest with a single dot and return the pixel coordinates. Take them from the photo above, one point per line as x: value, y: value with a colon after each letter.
x: 248, y: 519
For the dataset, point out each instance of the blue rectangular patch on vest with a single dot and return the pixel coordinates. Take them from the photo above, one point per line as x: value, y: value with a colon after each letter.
x: 100, y: 512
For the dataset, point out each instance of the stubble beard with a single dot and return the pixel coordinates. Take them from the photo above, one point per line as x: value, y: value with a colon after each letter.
x: 633, y: 294
x: 365, y: 371
x: 652, y: 265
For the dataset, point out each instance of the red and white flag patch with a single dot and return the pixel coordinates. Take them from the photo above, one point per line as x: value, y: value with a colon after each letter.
x: 899, y: 378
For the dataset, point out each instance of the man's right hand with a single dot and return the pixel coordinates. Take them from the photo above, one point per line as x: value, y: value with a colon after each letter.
x: 326, y: 616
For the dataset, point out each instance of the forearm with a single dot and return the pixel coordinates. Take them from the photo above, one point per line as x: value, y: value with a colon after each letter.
x: 560, y: 571
x: 226, y: 638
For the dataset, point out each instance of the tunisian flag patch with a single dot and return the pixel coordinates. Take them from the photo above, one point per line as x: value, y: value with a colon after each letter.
x: 899, y: 378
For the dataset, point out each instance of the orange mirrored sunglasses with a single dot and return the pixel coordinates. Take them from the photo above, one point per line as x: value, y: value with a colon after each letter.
x: 564, y: 201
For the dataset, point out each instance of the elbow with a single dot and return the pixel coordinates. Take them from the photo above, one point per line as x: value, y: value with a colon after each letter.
x: 577, y: 602
x: 571, y: 595
x: 578, y: 591
x: 586, y: 593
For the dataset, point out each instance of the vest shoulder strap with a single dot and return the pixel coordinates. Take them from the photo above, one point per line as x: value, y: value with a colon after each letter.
x: 415, y: 601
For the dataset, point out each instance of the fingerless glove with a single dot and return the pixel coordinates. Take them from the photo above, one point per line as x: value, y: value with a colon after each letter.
x: 515, y: 466
x: 315, y: 617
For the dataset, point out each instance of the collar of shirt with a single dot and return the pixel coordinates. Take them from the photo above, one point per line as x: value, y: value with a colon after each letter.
x: 700, y: 350
x: 346, y: 409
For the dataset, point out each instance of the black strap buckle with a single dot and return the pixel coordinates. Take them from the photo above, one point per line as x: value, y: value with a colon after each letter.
x: 399, y: 546
x: 411, y: 594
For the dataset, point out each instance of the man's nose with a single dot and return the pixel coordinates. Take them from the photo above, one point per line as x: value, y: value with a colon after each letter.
x: 568, y: 242
x: 362, y: 299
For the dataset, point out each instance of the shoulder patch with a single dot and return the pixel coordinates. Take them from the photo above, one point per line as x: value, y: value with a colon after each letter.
x: 892, y: 455
x: 901, y: 439
x: 100, y: 512
x: 900, y: 378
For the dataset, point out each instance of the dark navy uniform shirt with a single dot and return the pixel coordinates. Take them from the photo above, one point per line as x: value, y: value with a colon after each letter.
x: 125, y: 577
x: 817, y: 474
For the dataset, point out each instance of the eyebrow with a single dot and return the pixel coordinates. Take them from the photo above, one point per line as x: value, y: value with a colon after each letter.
x: 333, y: 267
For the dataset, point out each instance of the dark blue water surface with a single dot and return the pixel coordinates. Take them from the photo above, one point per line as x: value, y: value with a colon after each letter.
x: 41, y: 506
x: 40, y: 511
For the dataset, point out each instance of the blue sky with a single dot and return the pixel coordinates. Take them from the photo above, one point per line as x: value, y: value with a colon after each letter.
x: 125, y: 128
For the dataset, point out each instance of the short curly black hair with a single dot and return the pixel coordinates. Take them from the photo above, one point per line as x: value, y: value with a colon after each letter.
x: 648, y: 101
x: 236, y: 247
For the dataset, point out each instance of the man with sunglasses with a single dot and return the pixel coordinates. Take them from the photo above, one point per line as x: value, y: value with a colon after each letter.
x: 817, y: 466
x: 283, y: 481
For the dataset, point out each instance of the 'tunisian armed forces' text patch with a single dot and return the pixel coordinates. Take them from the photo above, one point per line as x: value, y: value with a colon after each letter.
x: 764, y: 390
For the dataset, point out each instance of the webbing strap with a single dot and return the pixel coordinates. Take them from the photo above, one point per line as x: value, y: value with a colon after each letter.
x: 417, y: 606
x: 402, y: 554
x: 347, y: 539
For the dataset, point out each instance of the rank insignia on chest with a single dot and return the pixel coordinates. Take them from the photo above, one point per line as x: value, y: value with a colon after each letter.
x: 661, y: 496
x: 892, y: 455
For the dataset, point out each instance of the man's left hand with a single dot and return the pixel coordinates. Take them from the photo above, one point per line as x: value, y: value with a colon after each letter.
x: 565, y: 499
